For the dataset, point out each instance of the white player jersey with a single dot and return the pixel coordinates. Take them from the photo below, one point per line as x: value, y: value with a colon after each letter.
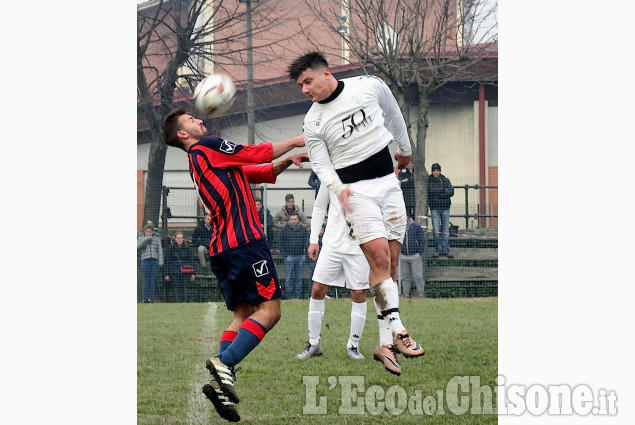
x: 337, y: 234
x: 361, y: 121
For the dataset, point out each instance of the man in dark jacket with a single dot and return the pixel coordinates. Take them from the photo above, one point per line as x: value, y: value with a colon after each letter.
x: 410, y: 259
x: 261, y: 216
x: 201, y: 238
x: 407, y: 183
x: 314, y: 182
x: 294, y: 240
x: 440, y: 190
x: 282, y: 216
x: 178, y: 254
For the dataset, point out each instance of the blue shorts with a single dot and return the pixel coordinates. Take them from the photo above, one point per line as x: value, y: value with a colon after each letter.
x: 247, y: 274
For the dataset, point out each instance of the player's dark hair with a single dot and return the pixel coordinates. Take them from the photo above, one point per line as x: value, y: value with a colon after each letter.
x: 313, y: 60
x: 170, y: 126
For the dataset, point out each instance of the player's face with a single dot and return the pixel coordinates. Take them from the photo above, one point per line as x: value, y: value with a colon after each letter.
x: 316, y: 84
x: 192, y: 126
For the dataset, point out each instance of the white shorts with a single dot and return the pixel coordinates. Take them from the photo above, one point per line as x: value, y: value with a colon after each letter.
x: 343, y: 270
x: 377, y: 209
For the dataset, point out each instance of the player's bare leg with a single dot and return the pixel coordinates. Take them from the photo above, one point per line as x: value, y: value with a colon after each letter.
x: 378, y: 255
x: 386, y: 298
x: 385, y: 294
x: 267, y: 313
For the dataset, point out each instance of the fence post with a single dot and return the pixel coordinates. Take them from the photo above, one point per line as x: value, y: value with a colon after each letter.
x: 164, y: 217
x: 467, y: 206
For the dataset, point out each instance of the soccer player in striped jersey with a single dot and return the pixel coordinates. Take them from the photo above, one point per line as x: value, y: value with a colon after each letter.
x: 347, y: 130
x: 239, y: 255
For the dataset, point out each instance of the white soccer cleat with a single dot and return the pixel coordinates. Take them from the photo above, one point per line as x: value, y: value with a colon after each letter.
x: 310, y: 351
x: 354, y: 353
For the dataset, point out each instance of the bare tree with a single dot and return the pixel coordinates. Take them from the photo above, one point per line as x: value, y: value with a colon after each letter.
x: 177, y: 41
x: 418, y: 46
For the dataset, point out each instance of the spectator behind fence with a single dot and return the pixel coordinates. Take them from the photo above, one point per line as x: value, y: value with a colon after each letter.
x: 282, y: 216
x: 261, y: 215
x: 151, y: 224
x: 294, y: 240
x: 407, y: 183
x: 314, y: 182
x: 151, y: 260
x: 201, y: 237
x: 440, y: 190
x: 411, y: 259
x: 179, y: 268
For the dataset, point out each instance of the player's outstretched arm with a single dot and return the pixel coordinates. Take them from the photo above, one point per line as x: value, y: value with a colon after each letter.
x: 296, y: 159
x: 281, y: 148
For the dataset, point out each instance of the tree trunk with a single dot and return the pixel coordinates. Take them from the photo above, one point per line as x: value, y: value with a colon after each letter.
x: 419, y: 154
x: 154, y: 184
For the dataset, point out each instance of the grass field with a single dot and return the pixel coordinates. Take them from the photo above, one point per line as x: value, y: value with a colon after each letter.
x: 459, y: 335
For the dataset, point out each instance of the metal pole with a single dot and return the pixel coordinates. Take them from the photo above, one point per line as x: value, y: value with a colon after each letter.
x: 467, y: 206
x: 164, y: 215
x: 251, y: 135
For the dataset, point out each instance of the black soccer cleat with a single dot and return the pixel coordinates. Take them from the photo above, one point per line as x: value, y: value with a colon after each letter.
x: 224, y: 407
x: 224, y: 377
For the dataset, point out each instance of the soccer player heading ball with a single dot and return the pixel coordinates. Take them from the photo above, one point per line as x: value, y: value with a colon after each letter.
x: 347, y: 131
x: 239, y: 255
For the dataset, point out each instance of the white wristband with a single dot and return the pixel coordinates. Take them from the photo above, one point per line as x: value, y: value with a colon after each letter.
x: 337, y: 187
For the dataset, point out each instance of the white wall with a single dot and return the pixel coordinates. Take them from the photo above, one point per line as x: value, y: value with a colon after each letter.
x: 492, y: 136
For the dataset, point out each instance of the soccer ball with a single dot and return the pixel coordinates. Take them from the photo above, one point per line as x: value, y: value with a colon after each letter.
x: 214, y: 94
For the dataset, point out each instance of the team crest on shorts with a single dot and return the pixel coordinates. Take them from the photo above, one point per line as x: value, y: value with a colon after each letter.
x: 260, y: 268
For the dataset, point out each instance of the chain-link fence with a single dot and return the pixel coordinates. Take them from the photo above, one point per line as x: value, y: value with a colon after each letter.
x: 471, y: 270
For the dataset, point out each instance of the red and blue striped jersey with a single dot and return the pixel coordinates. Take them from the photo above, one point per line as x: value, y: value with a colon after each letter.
x: 221, y: 172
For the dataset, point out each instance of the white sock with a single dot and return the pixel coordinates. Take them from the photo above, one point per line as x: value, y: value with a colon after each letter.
x: 385, y: 334
x: 386, y: 295
x: 358, y: 319
x: 316, y: 312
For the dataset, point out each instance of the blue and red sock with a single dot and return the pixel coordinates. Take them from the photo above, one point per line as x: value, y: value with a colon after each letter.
x: 249, y: 336
x: 226, y: 339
